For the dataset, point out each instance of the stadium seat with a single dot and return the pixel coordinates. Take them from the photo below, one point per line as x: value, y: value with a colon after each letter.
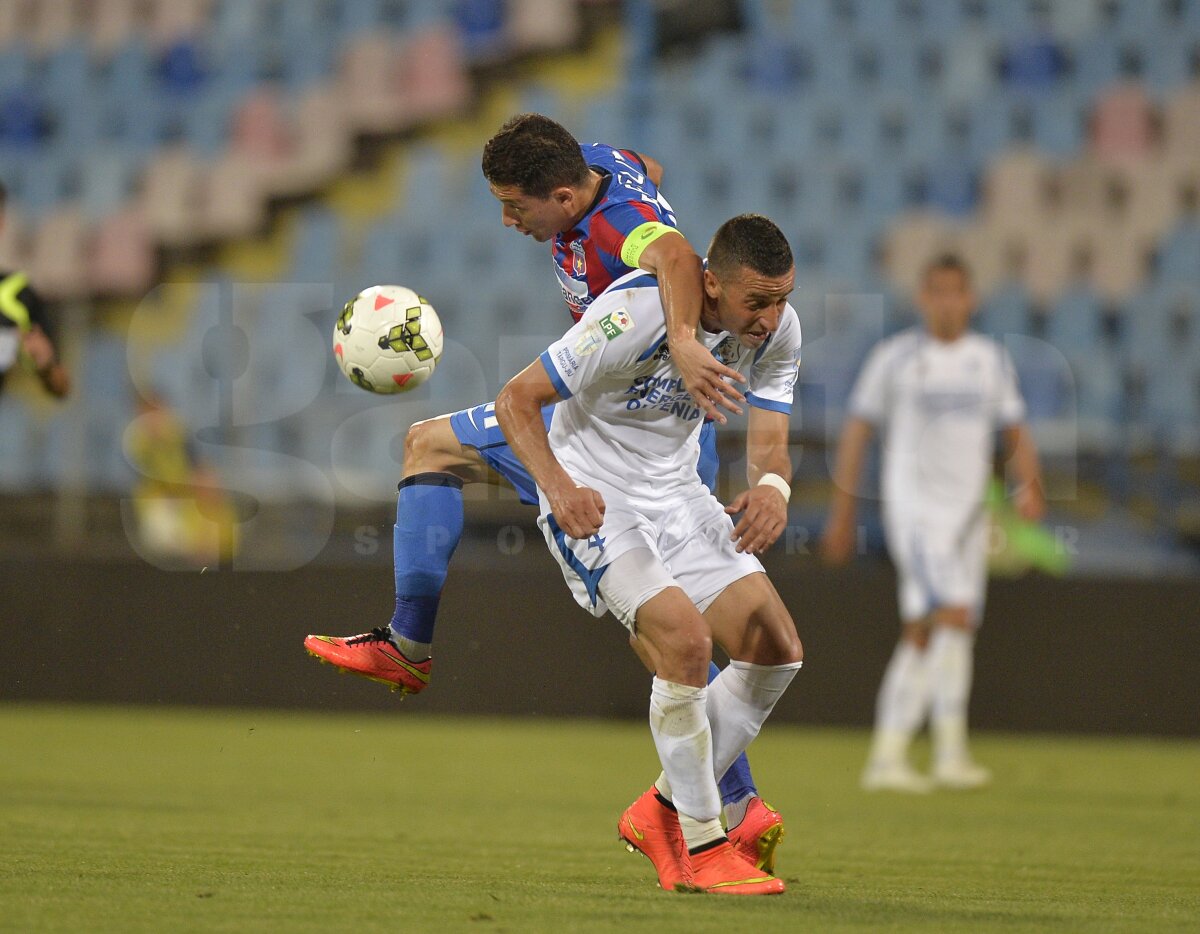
x: 112, y: 23
x: 1181, y: 122
x: 122, y: 262
x: 170, y: 198
x: 369, y: 81
x: 58, y: 257
x: 232, y: 201
x: 433, y: 76
x: 538, y: 25
x: 1122, y: 125
x: 173, y: 20
x: 1180, y: 256
x: 51, y: 25
x: 1074, y: 324
x: 1016, y: 190
x: 1056, y: 123
x: 1005, y: 312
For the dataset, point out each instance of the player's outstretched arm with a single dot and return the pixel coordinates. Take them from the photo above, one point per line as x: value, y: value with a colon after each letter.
x: 1020, y: 451
x: 578, y: 510
x: 38, y: 346
x: 764, y: 505
x: 680, y: 276
x: 838, y: 539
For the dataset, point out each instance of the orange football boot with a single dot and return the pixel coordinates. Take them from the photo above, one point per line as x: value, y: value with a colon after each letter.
x: 651, y: 827
x: 759, y: 833
x: 719, y: 869
x: 373, y: 655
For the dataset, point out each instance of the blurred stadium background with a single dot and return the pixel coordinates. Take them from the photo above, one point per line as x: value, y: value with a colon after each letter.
x: 198, y: 185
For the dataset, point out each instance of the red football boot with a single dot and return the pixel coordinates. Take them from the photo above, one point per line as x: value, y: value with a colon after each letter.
x: 721, y: 870
x: 651, y: 828
x: 372, y: 655
x: 759, y: 833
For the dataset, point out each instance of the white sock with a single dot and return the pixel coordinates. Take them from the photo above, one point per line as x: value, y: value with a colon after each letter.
x: 735, y: 812
x: 679, y: 725
x: 740, y: 699
x: 417, y: 651
x: 902, y: 703
x: 951, y: 664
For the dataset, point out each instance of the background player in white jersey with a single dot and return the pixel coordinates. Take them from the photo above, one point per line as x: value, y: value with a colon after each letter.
x: 937, y: 393
x: 637, y: 532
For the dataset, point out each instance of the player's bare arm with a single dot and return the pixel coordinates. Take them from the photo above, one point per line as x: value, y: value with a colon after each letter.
x: 654, y: 169
x: 838, y: 538
x: 764, y: 505
x: 1021, y: 454
x: 680, y: 283
x: 579, y: 510
x: 40, y: 350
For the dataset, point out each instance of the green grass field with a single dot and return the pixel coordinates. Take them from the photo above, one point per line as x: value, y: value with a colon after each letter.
x: 164, y: 820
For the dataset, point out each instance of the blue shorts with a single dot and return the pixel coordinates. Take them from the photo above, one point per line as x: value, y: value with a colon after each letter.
x: 477, y: 428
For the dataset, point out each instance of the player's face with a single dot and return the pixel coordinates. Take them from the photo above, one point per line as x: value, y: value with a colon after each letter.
x: 750, y: 305
x: 540, y: 218
x: 946, y: 301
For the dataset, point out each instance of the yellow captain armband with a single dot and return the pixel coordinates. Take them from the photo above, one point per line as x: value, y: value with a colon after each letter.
x: 641, y: 237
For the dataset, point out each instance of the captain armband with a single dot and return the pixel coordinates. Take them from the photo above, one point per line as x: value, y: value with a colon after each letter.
x: 641, y: 237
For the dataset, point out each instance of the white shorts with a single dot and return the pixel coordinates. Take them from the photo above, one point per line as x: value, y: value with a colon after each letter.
x: 938, y: 564
x: 690, y: 539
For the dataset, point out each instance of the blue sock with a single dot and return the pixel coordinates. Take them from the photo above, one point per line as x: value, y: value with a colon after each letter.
x: 429, y: 523
x: 737, y: 783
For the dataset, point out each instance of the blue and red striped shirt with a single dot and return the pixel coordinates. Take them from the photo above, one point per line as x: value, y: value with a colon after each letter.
x: 587, y: 258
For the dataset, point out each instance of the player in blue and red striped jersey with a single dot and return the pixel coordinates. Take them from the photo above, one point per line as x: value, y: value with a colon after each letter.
x: 601, y: 210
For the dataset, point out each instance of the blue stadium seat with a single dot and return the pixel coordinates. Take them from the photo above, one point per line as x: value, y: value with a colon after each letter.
x: 1043, y: 374
x: 316, y: 252
x: 1180, y: 253
x: 1057, y: 124
x: 1096, y: 63
x: 1075, y: 324
x: 1006, y: 312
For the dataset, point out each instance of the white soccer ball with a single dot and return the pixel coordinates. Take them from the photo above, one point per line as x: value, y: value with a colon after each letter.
x: 387, y: 339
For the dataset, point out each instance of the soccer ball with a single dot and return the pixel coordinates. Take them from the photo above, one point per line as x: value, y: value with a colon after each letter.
x: 387, y: 339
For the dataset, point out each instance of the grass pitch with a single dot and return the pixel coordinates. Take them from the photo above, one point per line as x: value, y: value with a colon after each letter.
x: 177, y: 820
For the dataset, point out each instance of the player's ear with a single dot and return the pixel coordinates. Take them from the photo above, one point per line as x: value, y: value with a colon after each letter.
x: 564, y: 197
x: 712, y: 285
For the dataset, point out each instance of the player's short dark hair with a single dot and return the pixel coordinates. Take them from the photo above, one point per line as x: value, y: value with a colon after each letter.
x: 749, y: 240
x: 3, y: 196
x: 533, y: 153
x: 947, y: 262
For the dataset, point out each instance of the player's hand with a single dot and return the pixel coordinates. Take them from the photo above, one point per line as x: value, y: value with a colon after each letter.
x: 37, y: 345
x: 764, y: 517
x: 838, y: 542
x: 702, y: 377
x: 1030, y: 502
x: 579, y: 510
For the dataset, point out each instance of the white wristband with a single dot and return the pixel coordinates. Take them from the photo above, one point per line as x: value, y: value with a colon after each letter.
x: 773, y: 479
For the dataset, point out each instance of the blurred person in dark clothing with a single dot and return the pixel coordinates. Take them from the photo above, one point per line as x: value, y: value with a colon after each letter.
x: 25, y: 331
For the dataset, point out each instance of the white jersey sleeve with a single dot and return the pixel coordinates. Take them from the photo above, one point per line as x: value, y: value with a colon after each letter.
x: 619, y: 330
x: 869, y: 398
x: 772, y: 379
x: 1010, y: 408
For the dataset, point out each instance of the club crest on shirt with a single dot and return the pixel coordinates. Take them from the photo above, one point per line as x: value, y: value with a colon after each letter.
x: 578, y: 261
x: 728, y: 350
x: 590, y: 340
x: 616, y: 323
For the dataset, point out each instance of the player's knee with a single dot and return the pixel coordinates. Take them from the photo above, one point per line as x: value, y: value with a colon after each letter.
x: 425, y: 447
x: 690, y: 649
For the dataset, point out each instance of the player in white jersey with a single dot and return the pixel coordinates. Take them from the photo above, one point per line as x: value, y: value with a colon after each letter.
x: 937, y: 394
x: 636, y: 531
